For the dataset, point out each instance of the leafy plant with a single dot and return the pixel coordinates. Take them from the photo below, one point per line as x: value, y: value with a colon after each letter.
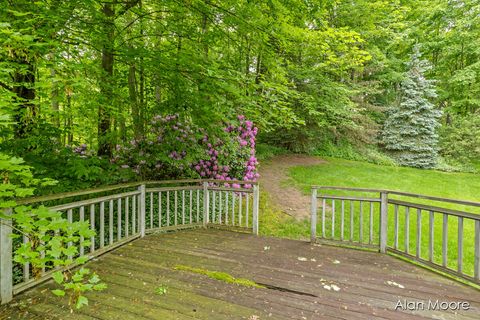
x: 161, y: 290
x: 76, y: 283
x: 53, y: 241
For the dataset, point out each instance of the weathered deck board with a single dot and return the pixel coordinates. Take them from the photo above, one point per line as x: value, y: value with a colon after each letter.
x: 134, y: 271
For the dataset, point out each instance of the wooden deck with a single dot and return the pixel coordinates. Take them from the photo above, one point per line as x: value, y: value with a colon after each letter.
x: 297, y: 274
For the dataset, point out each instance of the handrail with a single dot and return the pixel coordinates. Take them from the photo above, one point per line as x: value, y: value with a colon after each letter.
x: 70, y: 194
x: 425, y: 207
x: 400, y: 193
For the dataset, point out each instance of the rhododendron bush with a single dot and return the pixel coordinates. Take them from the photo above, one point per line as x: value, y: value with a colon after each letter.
x: 176, y: 148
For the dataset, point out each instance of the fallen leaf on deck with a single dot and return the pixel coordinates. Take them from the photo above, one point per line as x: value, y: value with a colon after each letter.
x: 302, y: 259
x: 336, y: 262
x: 393, y: 283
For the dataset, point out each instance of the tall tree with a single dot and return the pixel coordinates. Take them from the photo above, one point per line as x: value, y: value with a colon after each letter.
x: 410, y: 130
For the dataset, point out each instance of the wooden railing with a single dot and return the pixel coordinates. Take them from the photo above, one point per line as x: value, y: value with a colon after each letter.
x: 122, y: 213
x: 443, y: 233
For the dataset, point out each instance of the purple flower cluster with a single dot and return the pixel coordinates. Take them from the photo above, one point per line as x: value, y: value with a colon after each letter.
x: 244, y: 135
x: 175, y: 147
x: 81, y: 150
x: 211, y: 168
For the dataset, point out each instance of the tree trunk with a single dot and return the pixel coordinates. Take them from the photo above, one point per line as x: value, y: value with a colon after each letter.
x: 106, y: 85
x: 132, y: 92
x: 24, y: 88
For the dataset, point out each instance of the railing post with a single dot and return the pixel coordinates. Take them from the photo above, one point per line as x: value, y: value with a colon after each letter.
x: 6, y: 266
x: 313, y: 217
x: 141, y: 206
x: 383, y: 221
x: 476, y: 275
x: 256, y: 202
x: 206, y: 204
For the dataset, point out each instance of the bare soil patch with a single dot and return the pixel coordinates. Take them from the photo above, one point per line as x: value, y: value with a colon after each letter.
x: 274, y: 173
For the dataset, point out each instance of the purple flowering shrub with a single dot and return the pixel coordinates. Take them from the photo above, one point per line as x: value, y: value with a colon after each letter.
x: 165, y: 152
x: 233, y: 157
x: 176, y: 148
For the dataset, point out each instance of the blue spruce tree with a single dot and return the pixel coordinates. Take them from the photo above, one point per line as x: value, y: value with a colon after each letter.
x: 409, y: 133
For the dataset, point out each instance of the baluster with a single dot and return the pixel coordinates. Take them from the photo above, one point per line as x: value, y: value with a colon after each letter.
x: 110, y: 222
x: 183, y: 207
x: 460, y: 245
x: 92, y: 227
x: 151, y: 210
x: 430, y: 236
x: 333, y: 218
x: 82, y: 219
x: 240, y: 204
x: 119, y: 219
x: 134, y: 214
x: 214, y: 202
x: 198, y: 205
x: 395, y: 239
x: 102, y: 224
x: 176, y: 207
x: 248, y: 209
x: 159, y: 209
x: 168, y: 208
x: 191, y: 195
x: 220, y: 207
x: 407, y: 230
x: 70, y: 221
x: 476, y: 273
x: 226, y: 207
x: 127, y: 216
x: 42, y: 254
x: 445, y: 240
x: 419, y: 232
x: 233, y: 208
x: 370, y: 237
x: 313, y: 216
x: 342, y: 217
x: 324, y: 207
x: 360, y: 229
x: 26, y: 266
x: 351, y: 221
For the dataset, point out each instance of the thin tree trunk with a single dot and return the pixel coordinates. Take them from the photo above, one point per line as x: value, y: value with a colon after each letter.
x: 132, y: 91
x: 106, y: 85
x: 24, y: 88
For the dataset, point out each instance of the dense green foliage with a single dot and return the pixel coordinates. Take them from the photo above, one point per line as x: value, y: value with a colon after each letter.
x: 53, y: 241
x: 309, y: 75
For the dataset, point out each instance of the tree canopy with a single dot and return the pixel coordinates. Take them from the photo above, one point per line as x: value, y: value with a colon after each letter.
x: 309, y: 74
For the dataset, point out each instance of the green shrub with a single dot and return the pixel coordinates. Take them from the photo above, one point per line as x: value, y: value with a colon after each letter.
x: 460, y: 141
x: 266, y: 151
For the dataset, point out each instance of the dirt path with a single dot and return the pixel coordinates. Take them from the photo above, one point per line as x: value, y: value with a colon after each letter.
x: 288, y: 198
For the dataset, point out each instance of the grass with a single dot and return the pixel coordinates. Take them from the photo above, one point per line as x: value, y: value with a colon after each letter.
x: 339, y: 172
x: 273, y: 222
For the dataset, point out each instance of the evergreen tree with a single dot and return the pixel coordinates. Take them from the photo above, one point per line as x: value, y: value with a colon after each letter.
x: 410, y: 129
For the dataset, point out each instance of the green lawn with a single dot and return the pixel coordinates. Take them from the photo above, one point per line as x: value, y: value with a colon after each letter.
x: 338, y: 172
